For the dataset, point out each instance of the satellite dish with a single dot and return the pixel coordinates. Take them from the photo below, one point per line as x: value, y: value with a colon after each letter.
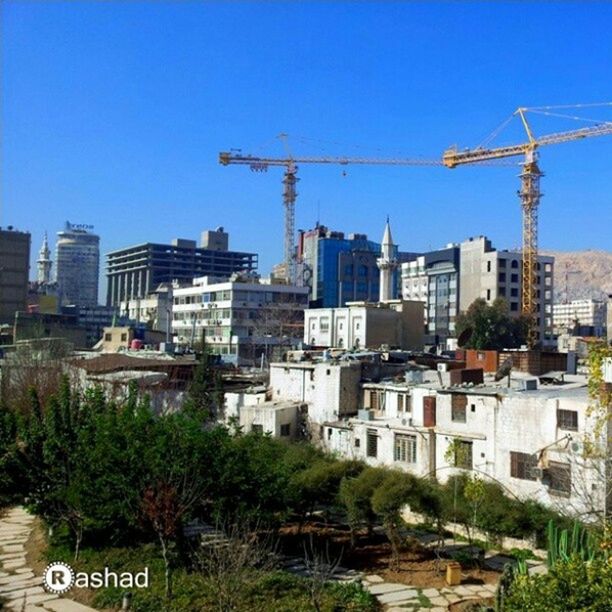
x: 464, y: 336
x: 433, y: 350
x: 504, y: 369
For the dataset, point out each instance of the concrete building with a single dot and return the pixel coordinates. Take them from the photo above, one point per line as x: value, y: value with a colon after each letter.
x: 242, y: 319
x: 14, y: 271
x: 339, y: 269
x: 135, y: 272
x: 77, y: 265
x: 433, y: 278
x: 528, y: 438
x: 395, y: 323
x: 154, y: 310
x: 489, y: 274
x: 587, y: 317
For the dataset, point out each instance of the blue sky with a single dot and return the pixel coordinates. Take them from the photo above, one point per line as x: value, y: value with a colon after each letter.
x: 113, y: 114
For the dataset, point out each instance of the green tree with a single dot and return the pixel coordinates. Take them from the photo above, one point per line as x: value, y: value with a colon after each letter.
x: 205, y: 396
x: 492, y: 325
x: 356, y: 496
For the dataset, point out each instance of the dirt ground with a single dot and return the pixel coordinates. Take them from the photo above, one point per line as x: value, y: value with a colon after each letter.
x: 35, y: 558
x: 418, y: 566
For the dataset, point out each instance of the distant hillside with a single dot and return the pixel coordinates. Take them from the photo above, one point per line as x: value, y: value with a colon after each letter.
x: 589, y: 274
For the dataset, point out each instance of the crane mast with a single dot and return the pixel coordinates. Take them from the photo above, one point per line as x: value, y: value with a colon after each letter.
x: 529, y: 195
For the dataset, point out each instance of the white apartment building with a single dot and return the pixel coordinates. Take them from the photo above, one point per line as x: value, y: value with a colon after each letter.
x: 580, y: 313
x: 395, y: 323
x: 241, y: 319
x: 529, y: 441
x: 155, y: 309
x: 489, y: 274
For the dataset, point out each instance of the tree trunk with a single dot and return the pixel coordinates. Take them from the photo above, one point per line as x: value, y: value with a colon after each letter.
x: 78, y: 540
x: 168, y: 585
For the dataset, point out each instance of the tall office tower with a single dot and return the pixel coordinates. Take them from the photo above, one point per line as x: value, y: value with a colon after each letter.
x: 135, y: 272
x: 14, y: 270
x: 44, y: 263
x: 340, y: 269
x: 387, y: 264
x: 77, y: 265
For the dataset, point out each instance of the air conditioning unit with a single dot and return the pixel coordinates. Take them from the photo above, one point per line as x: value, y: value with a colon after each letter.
x: 407, y: 422
x: 443, y: 367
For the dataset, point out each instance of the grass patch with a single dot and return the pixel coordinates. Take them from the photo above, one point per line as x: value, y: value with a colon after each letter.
x: 272, y: 591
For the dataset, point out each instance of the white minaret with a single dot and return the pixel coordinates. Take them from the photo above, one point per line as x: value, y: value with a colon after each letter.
x: 387, y: 263
x: 44, y: 263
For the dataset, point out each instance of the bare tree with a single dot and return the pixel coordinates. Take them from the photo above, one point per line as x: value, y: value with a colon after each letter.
x: 233, y: 560
x: 321, y: 567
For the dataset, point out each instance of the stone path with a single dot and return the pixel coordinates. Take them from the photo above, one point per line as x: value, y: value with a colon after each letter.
x: 20, y: 589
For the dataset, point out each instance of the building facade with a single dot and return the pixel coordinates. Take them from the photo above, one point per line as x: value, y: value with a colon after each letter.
x: 135, y: 272
x: 528, y: 439
x: 14, y: 272
x: 488, y: 273
x: 77, y: 265
x: 339, y: 269
x: 433, y: 278
x: 241, y: 319
x: 395, y: 323
x: 155, y: 310
x: 581, y: 315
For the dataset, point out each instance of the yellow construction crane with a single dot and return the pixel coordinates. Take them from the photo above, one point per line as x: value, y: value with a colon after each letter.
x: 530, y: 190
x: 290, y: 163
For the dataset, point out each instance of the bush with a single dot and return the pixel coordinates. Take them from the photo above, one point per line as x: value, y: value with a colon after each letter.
x: 570, y: 585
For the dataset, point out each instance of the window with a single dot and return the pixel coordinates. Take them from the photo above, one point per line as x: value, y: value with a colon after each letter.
x: 324, y: 324
x: 502, y: 277
x: 488, y: 266
x: 501, y: 263
x: 522, y: 465
x: 514, y: 292
x: 405, y: 448
x: 285, y: 430
x: 514, y: 263
x: 258, y: 429
x: 567, y: 419
x: 108, y: 337
x: 374, y: 400
x: 372, y: 443
x: 488, y: 294
x: 463, y: 454
x: 513, y: 306
x: 559, y: 478
x: 357, y: 442
x: 514, y: 278
x: 400, y: 402
x: 329, y: 433
x: 123, y: 337
x: 458, y: 405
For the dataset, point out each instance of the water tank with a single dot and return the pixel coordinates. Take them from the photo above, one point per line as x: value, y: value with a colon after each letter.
x: 136, y: 344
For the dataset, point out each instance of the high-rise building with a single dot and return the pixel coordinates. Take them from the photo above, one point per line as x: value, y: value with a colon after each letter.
x: 489, y: 274
x: 433, y: 278
x: 77, y: 265
x: 339, y: 269
x: 14, y: 271
x: 135, y: 272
